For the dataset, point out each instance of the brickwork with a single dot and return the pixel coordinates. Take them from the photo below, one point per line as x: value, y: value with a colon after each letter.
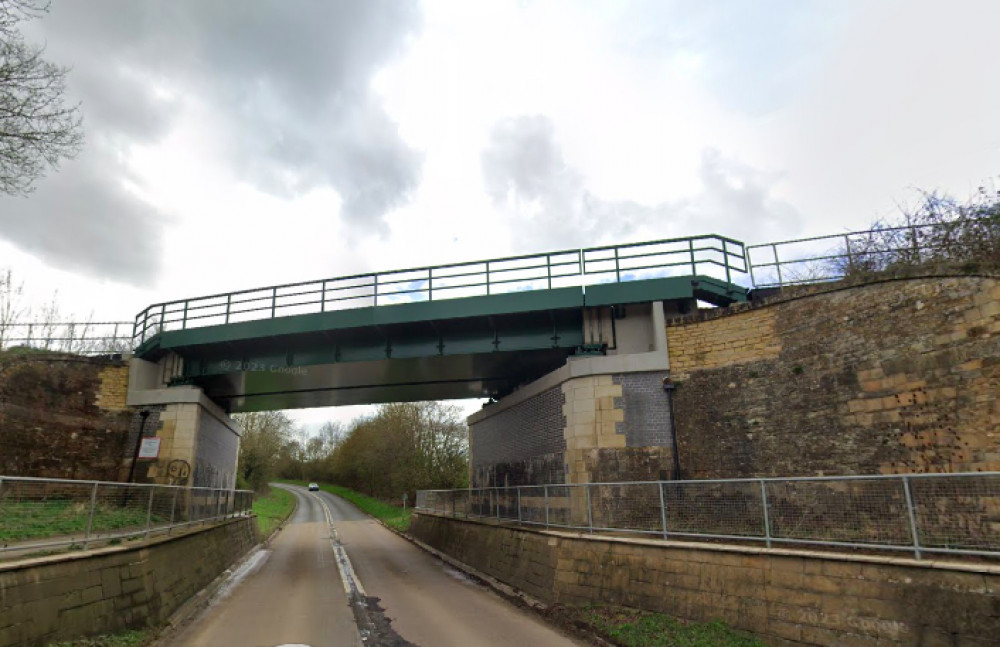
x: 523, y: 445
x: 892, y: 377
x: 62, y: 598
x: 786, y: 598
x: 216, y: 454
x: 113, y: 389
x: 647, y: 414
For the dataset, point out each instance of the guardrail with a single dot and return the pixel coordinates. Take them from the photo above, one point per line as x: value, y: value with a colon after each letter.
x: 38, y: 514
x: 830, y: 258
x: 711, y: 255
x: 77, y: 337
x: 919, y: 513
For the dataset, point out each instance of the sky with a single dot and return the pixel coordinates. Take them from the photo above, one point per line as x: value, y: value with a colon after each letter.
x: 236, y: 145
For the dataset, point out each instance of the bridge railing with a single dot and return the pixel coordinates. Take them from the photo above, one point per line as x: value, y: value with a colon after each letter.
x: 917, y: 513
x: 39, y: 514
x: 710, y: 255
x: 831, y: 258
x: 76, y: 337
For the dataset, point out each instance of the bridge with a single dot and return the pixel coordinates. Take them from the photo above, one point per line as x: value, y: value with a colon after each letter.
x: 465, y: 330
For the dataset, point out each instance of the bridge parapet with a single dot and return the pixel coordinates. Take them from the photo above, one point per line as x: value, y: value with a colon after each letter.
x: 709, y: 255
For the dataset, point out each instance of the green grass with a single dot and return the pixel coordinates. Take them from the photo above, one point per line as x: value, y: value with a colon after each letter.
x: 272, y: 509
x: 53, y: 518
x: 636, y: 628
x: 387, y: 513
x: 124, y: 639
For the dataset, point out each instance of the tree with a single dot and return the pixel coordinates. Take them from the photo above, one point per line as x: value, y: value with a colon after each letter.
x: 37, y: 129
x: 265, y: 435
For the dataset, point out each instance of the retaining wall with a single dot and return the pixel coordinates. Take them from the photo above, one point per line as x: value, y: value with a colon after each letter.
x: 786, y: 597
x: 64, y: 597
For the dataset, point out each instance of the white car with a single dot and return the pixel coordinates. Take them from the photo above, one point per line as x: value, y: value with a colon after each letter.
x: 313, y: 487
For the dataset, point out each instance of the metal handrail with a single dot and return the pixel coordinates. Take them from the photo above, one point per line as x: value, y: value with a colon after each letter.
x: 946, y: 513
x: 437, y: 282
x: 815, y: 255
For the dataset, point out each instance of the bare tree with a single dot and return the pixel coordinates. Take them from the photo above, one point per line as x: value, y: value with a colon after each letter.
x: 37, y: 129
x: 12, y: 307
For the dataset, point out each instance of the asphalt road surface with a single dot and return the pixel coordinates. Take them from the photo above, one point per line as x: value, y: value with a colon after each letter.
x: 293, y: 594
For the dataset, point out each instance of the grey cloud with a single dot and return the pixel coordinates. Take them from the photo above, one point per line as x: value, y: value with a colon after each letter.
x: 525, y: 173
x: 84, y: 219
x: 287, y: 92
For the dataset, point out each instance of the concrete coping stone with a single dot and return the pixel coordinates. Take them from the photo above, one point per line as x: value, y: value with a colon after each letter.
x: 578, y: 367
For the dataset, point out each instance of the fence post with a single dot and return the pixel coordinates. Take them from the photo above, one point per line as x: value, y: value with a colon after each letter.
x: 546, y: 506
x: 173, y: 511
x: 618, y: 275
x: 375, y: 289
x: 518, y: 505
x: 90, y: 516
x: 229, y: 303
x: 487, y: 278
x: 767, y: 518
x: 725, y: 260
x: 913, y: 518
x: 590, y: 514
x: 663, y: 509
x: 548, y: 268
x: 777, y: 264
x: 322, y: 302
x: 149, y: 511
x: 274, y: 300
x: 184, y: 319
x: 850, y: 255
x: 694, y: 264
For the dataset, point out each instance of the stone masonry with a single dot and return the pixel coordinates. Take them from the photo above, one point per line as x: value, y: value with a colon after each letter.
x: 787, y: 598
x: 63, y: 597
x: 892, y: 377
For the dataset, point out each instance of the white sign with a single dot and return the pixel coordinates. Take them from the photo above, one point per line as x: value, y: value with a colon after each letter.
x: 150, y: 448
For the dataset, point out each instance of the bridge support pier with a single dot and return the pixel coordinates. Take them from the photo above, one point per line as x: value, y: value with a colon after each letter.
x: 598, y: 418
x: 198, y: 442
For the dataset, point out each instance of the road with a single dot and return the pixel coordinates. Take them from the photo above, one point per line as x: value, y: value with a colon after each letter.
x: 294, y: 594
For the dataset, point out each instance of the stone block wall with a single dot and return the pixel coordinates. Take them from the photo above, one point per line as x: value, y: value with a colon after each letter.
x: 892, y: 377
x: 61, y: 598
x: 789, y: 599
x: 63, y: 416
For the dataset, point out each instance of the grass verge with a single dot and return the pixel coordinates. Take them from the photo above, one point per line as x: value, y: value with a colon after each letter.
x: 124, y: 639
x: 272, y: 509
x: 387, y: 513
x: 53, y: 518
x: 636, y: 628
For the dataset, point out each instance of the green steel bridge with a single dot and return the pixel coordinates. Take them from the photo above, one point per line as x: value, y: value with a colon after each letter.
x: 466, y: 330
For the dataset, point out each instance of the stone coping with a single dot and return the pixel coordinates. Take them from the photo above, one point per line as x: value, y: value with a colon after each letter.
x: 76, y: 555
x: 935, y: 564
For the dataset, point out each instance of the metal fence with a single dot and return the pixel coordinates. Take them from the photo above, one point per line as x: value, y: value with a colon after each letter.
x: 709, y: 255
x: 918, y: 513
x: 76, y: 337
x: 830, y: 258
x: 38, y: 514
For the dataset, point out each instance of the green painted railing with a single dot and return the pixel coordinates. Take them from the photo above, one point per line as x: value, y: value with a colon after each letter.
x: 710, y: 254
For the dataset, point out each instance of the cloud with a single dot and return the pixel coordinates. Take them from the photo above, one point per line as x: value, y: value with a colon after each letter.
x: 526, y: 176
x: 282, y: 92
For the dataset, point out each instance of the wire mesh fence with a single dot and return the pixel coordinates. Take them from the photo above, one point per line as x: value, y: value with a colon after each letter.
x: 918, y: 513
x: 37, y: 514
